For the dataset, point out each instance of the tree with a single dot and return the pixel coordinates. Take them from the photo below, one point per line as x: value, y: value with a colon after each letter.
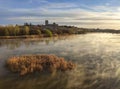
x: 2, y: 30
x: 6, y: 32
x: 17, y: 30
x: 48, y: 33
x: 38, y: 32
x: 11, y: 30
x: 71, y: 31
x: 26, y: 30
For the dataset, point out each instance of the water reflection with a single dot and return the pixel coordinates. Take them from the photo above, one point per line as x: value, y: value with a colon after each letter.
x: 96, y: 55
x: 16, y: 43
x: 41, y: 81
x: 96, y: 74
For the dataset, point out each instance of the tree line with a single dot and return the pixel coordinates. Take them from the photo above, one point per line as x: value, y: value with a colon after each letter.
x: 26, y: 29
x: 18, y: 30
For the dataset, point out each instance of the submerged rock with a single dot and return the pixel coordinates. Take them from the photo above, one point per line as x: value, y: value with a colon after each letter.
x: 38, y: 63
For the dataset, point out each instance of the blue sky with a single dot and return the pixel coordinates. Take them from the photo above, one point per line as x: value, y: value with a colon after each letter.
x: 81, y: 13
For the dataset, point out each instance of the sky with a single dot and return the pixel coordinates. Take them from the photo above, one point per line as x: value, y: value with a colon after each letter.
x: 80, y: 13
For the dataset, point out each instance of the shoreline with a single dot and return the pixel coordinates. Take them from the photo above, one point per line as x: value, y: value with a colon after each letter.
x: 44, y: 35
x: 31, y: 36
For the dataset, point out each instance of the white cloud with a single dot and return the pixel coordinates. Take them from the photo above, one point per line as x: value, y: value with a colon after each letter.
x: 107, y: 4
x: 38, y: 1
x: 69, y: 13
x: 60, y: 5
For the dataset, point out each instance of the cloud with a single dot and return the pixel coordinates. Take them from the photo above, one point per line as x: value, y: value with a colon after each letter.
x: 38, y: 1
x: 60, y: 5
x: 64, y: 13
x: 107, y: 4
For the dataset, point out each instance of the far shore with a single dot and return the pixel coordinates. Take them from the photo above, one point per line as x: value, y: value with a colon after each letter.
x: 31, y: 36
x: 45, y: 36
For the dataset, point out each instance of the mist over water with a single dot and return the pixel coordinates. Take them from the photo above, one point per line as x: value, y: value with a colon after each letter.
x: 97, y: 57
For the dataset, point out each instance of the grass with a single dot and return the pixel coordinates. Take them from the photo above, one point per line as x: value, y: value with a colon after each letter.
x: 38, y: 63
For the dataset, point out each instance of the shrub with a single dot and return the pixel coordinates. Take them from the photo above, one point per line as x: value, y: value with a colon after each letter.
x: 11, y: 30
x: 26, y: 30
x: 6, y: 32
x: 17, y: 30
x: 48, y: 33
x: 33, y: 63
x: 38, y: 32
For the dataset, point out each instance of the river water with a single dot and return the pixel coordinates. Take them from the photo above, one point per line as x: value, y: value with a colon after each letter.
x: 97, y: 56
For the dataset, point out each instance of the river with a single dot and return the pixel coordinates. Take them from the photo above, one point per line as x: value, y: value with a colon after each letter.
x: 97, y: 56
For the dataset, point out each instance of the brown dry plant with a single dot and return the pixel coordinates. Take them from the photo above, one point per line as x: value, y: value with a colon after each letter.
x: 38, y: 63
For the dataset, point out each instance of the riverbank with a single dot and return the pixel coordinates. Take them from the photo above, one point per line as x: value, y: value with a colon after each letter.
x: 20, y: 37
x: 29, y: 36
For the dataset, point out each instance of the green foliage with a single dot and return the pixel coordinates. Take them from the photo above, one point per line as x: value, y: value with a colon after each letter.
x: 6, y: 32
x: 11, y: 30
x: 17, y: 30
x: 26, y: 30
x: 29, y: 29
x: 38, y: 32
x: 71, y: 31
x: 48, y: 33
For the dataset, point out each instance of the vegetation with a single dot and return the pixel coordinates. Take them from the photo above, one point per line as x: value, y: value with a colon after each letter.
x: 48, y: 33
x: 38, y: 63
x: 26, y: 30
x: 46, y: 30
x: 40, y: 30
x: 18, y: 30
x: 6, y: 32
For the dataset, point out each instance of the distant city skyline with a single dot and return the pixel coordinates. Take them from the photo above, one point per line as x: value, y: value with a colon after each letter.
x: 81, y: 13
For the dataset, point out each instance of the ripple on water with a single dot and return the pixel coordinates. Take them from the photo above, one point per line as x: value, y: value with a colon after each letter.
x: 96, y: 55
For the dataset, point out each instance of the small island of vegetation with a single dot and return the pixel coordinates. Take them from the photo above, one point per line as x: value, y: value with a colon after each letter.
x: 38, y: 63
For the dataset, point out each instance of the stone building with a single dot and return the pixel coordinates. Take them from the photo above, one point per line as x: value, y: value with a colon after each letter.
x: 53, y: 26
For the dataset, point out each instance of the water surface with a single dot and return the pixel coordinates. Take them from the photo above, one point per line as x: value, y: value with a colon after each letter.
x: 97, y: 57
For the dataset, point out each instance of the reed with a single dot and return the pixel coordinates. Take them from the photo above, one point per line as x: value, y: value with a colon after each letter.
x: 38, y: 63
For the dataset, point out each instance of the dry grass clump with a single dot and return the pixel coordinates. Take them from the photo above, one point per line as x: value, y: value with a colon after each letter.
x: 32, y: 63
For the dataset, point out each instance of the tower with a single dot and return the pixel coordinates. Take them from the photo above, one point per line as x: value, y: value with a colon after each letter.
x: 46, y: 22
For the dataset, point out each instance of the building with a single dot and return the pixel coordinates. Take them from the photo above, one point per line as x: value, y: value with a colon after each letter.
x: 46, y: 22
x: 53, y: 26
